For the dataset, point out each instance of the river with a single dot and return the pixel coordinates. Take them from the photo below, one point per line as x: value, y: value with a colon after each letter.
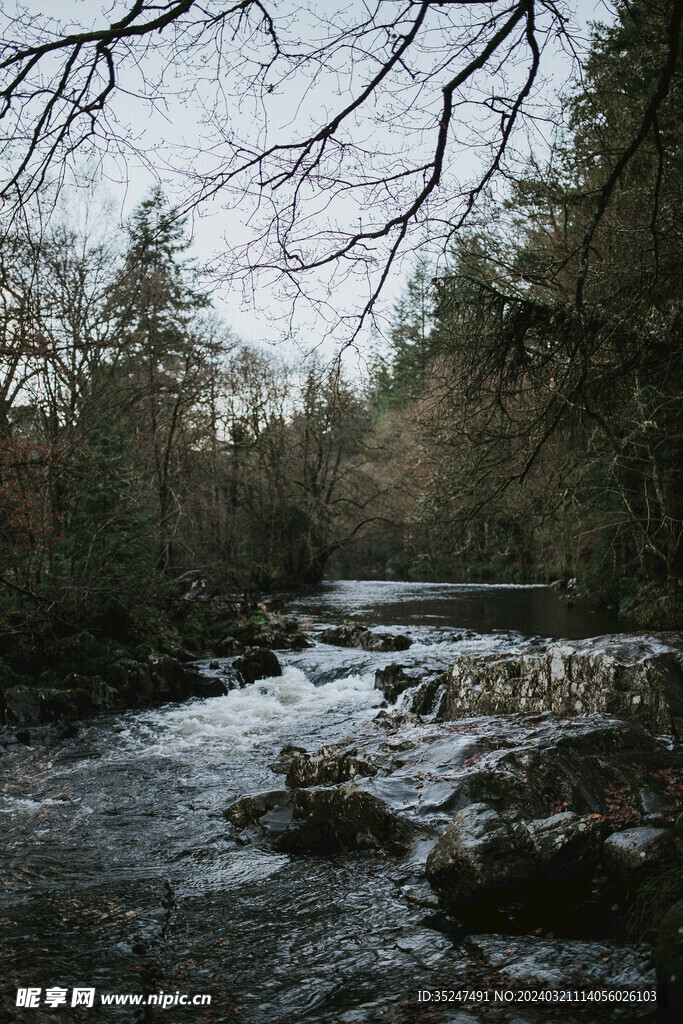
x: 118, y: 870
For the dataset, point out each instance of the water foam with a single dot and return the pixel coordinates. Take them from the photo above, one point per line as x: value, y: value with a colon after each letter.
x: 259, y: 714
x: 12, y: 805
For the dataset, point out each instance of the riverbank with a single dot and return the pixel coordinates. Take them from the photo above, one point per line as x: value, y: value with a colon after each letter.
x: 82, y: 675
x: 121, y: 870
x: 561, y: 821
x: 61, y: 676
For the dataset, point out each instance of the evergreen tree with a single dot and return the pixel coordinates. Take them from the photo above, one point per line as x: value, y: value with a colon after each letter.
x: 540, y: 374
x: 157, y: 302
x: 400, y: 377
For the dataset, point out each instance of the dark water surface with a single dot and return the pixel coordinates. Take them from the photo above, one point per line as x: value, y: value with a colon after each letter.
x: 119, y: 871
x: 485, y: 608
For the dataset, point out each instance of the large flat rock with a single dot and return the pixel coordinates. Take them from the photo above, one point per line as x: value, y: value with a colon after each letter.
x: 636, y: 678
x: 499, y: 811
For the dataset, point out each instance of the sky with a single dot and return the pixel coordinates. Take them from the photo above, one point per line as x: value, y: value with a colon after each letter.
x: 189, y: 118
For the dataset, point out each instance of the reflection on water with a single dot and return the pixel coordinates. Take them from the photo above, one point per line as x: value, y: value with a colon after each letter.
x: 534, y: 610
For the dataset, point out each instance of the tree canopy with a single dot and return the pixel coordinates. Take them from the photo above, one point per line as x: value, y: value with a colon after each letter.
x: 546, y: 426
x: 524, y: 421
x: 339, y: 132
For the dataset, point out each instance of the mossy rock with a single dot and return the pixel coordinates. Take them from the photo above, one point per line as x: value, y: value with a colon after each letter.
x: 263, y: 629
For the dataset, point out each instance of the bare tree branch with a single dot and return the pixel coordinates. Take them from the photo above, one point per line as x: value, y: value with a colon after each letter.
x: 395, y: 93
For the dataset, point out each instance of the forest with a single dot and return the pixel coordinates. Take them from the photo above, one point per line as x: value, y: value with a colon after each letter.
x: 341, y: 360
x: 520, y: 422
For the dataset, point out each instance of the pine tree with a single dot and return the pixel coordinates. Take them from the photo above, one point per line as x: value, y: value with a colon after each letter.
x: 563, y: 335
x: 400, y: 378
x: 157, y: 303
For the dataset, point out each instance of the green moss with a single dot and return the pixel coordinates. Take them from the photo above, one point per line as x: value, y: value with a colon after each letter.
x: 263, y: 629
x: 651, y: 608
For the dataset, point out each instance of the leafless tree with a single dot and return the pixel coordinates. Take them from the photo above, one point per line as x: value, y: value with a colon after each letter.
x: 339, y: 132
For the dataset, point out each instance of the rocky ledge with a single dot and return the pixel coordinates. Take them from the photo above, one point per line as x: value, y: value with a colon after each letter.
x: 637, y: 678
x: 128, y: 683
x: 517, y: 794
x: 350, y: 634
x: 527, y: 824
x: 124, y: 684
x: 502, y: 813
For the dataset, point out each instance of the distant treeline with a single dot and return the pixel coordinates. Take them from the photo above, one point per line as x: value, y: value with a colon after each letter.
x: 141, y: 442
x: 532, y: 397
x: 524, y: 424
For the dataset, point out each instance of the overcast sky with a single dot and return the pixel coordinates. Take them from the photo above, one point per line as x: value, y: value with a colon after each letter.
x: 256, y: 313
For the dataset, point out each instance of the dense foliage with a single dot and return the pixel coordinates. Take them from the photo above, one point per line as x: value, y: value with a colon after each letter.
x: 524, y: 423
x: 144, y: 449
x: 545, y: 439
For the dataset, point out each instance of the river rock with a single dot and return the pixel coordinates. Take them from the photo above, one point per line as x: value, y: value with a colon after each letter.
x: 328, y: 767
x: 210, y: 686
x: 631, y: 855
x: 566, y: 849
x: 596, y: 774
x: 283, y: 761
x: 430, y: 695
x: 128, y: 683
x: 80, y: 696
x: 482, y: 859
x: 353, y: 635
x: 489, y: 860
x: 262, y: 629
x: 585, y: 765
x: 321, y: 820
x: 507, y: 812
x: 22, y: 705
x: 541, y: 962
x: 257, y: 663
x: 502, y: 814
x: 342, y: 818
x: 162, y: 678
x: 132, y: 680
x: 99, y: 695
x: 393, y: 680
x: 637, y: 678
x: 250, y: 809
x: 170, y: 679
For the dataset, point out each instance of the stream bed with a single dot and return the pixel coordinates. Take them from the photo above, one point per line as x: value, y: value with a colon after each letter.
x: 118, y: 870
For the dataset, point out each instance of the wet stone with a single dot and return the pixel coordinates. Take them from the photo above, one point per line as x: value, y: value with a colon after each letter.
x: 543, y: 962
x: 22, y: 705
x: 257, y: 663
x: 630, y: 855
x: 482, y: 860
x: 507, y: 813
x: 352, y: 635
x: 566, y: 849
x: 327, y: 767
x: 342, y: 818
x: 637, y: 678
x: 393, y: 680
x: 250, y: 809
x: 283, y: 762
x: 285, y: 938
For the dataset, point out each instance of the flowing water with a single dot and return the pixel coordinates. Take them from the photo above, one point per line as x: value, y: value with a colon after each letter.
x: 118, y: 870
